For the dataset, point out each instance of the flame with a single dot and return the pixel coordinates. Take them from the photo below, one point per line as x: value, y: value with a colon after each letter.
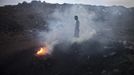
x: 42, y: 51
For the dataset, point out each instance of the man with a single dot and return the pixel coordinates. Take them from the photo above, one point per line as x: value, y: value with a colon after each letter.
x: 76, y: 32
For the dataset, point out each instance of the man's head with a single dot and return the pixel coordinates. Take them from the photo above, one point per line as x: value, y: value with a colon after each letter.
x: 76, y: 17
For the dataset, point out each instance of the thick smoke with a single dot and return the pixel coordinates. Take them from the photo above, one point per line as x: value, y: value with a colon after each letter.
x: 62, y: 26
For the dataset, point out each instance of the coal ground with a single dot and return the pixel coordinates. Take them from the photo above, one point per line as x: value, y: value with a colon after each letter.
x: 87, y: 58
x: 17, y: 46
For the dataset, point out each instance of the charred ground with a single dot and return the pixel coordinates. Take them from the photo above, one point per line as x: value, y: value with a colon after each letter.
x: 18, y: 27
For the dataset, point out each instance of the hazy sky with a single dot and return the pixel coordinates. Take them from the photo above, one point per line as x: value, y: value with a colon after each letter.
x: 127, y: 3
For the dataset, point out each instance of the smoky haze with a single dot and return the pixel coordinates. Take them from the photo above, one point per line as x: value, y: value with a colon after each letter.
x: 62, y: 26
x: 99, y: 23
x: 105, y: 45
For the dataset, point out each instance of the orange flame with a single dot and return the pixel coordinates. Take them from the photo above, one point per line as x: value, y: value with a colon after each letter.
x: 42, y: 51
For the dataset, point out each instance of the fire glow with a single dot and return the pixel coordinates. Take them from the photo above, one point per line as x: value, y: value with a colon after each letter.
x: 42, y: 51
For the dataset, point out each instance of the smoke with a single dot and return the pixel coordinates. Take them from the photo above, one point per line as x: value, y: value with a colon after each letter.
x: 62, y: 26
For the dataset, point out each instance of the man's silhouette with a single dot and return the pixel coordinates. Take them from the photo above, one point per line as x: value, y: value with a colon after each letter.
x: 76, y: 32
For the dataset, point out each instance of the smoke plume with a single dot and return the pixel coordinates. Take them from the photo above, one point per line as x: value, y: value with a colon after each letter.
x: 62, y: 25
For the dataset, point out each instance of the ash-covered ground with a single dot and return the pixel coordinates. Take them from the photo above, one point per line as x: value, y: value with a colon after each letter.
x: 105, y: 45
x: 88, y: 58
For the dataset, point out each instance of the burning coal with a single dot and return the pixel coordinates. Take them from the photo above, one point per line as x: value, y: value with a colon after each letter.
x: 42, y: 51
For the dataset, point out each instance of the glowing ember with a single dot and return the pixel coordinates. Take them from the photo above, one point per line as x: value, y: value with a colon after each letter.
x: 42, y: 51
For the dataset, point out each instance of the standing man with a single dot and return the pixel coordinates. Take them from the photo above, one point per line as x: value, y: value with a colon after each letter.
x: 77, y: 25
